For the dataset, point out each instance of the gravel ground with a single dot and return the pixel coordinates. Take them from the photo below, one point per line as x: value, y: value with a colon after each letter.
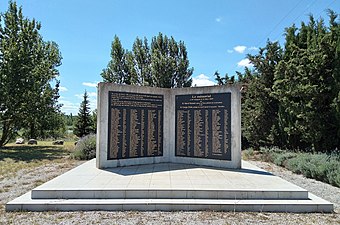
x: 28, y: 179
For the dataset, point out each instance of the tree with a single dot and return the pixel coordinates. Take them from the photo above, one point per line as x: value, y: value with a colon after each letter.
x: 142, y: 62
x: 169, y: 63
x: 164, y: 63
x: 94, y: 121
x: 307, y: 86
x: 28, y: 65
x: 84, y: 122
x: 116, y: 71
x: 224, y: 80
x: 260, y: 107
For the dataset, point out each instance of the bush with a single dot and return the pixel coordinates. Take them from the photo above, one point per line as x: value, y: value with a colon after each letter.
x: 85, y: 148
x: 295, y: 164
x: 280, y: 159
x: 323, y: 167
x: 334, y: 176
x: 248, y: 153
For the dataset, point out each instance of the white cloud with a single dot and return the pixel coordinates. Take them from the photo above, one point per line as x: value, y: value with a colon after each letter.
x: 62, y: 89
x: 92, y: 94
x: 90, y: 84
x: 230, y: 51
x: 244, y: 63
x: 81, y: 96
x: 92, y: 98
x: 69, y: 107
x: 218, y: 19
x: 202, y: 80
x: 240, y: 48
x: 253, y: 48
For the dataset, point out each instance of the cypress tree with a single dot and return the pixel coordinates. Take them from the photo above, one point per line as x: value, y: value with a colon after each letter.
x: 306, y: 87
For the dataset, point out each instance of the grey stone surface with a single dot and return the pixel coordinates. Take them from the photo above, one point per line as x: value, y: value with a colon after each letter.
x: 155, y: 187
x: 20, y: 141
x: 168, y: 126
x: 32, y: 142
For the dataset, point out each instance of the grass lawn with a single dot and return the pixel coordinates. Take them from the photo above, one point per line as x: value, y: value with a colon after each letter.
x: 17, y: 157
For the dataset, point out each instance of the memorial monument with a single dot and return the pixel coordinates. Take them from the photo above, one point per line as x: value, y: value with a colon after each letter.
x: 143, y: 125
x: 164, y: 146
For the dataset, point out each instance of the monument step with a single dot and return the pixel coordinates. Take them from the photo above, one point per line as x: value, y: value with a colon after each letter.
x: 313, y: 204
x: 240, y: 194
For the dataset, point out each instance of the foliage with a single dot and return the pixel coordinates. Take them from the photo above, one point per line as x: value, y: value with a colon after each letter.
x: 292, y: 94
x: 260, y: 108
x: 306, y: 86
x: 164, y: 63
x: 70, y: 119
x: 85, y: 148
x: 117, y: 71
x: 28, y: 65
x: 94, y: 121
x: 321, y: 166
x: 84, y: 124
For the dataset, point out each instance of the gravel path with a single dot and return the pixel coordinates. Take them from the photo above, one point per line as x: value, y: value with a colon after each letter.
x: 28, y: 179
x: 323, y: 190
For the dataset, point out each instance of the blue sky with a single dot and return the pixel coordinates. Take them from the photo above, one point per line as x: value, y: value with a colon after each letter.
x: 218, y: 33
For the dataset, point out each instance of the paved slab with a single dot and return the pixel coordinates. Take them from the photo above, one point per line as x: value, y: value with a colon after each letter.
x: 168, y: 186
x: 168, y: 176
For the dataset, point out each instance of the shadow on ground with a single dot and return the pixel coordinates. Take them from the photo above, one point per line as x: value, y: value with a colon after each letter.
x: 29, y: 153
x: 162, y: 167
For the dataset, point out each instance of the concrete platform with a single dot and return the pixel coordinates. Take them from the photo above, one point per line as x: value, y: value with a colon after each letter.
x: 168, y: 186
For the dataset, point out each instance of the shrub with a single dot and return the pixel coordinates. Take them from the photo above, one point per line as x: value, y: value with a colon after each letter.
x: 248, y: 153
x: 295, y: 164
x: 334, y: 176
x: 323, y: 167
x: 280, y: 159
x: 85, y: 148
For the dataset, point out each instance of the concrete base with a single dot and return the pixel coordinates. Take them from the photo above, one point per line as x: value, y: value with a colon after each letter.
x: 169, y: 187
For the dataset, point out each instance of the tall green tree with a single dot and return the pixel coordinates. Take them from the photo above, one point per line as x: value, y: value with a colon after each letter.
x: 142, y: 62
x: 117, y: 71
x: 169, y: 63
x: 307, y: 85
x: 260, y: 108
x: 84, y: 123
x: 164, y: 63
x: 28, y: 65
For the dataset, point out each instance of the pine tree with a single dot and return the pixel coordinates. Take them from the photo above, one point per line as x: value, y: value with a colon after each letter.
x: 84, y: 124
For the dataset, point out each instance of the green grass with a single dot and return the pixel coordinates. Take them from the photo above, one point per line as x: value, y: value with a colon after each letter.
x: 17, y: 157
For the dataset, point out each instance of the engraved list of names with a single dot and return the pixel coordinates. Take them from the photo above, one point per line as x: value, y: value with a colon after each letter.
x: 135, y: 125
x: 203, y: 126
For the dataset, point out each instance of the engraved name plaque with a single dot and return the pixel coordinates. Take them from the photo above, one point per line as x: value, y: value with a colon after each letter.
x: 203, y: 127
x: 135, y: 125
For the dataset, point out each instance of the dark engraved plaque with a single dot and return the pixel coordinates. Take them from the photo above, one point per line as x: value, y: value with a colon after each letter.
x: 203, y: 126
x: 135, y: 126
